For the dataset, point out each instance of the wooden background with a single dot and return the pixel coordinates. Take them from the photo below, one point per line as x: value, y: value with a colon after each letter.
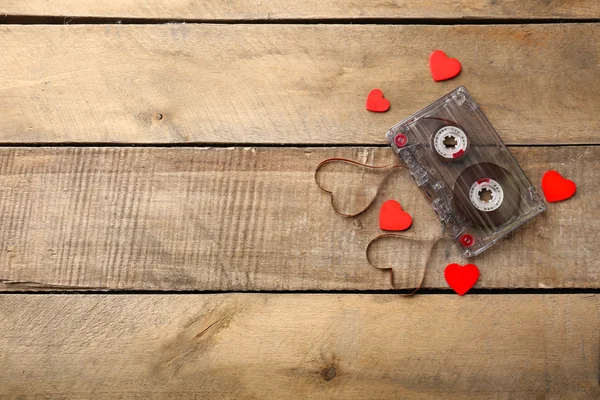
x: 162, y: 235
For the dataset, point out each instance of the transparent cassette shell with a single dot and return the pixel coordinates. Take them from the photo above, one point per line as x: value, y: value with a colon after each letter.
x: 465, y: 172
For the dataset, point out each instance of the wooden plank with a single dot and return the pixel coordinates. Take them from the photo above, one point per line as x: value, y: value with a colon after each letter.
x: 253, y: 219
x: 299, y: 346
x: 310, y: 9
x: 181, y: 83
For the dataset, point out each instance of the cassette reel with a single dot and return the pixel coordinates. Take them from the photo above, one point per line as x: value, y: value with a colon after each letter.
x: 460, y: 164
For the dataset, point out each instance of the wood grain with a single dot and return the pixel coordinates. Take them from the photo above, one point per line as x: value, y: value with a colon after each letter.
x: 253, y: 219
x: 181, y: 83
x: 310, y: 9
x: 299, y: 346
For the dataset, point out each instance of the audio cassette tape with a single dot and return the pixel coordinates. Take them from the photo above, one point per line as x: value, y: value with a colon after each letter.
x: 463, y: 169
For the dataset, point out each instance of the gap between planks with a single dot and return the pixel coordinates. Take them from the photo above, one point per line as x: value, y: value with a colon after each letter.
x: 38, y: 289
x: 72, y: 20
x: 268, y: 10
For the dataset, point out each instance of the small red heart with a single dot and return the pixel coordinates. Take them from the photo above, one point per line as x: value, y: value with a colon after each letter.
x: 443, y: 67
x: 393, y: 218
x: 461, y: 278
x: 376, y: 102
x: 557, y: 188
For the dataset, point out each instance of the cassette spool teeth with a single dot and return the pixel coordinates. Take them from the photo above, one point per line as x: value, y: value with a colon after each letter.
x: 488, y: 194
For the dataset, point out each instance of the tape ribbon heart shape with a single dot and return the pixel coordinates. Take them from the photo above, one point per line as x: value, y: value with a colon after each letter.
x: 391, y: 168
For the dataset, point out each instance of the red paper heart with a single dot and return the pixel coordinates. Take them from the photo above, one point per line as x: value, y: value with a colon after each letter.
x: 393, y: 218
x: 557, y: 188
x: 376, y: 102
x: 443, y: 67
x: 461, y: 278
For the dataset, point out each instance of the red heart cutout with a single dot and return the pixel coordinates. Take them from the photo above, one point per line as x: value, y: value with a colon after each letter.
x: 557, y: 188
x: 443, y: 67
x: 461, y: 278
x: 376, y: 102
x: 393, y: 218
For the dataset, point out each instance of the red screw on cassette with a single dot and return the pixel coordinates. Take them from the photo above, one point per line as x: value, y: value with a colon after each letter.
x: 400, y: 140
x: 467, y: 240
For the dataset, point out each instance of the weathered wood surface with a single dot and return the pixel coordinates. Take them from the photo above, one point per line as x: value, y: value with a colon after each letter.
x: 310, y: 9
x: 249, y: 346
x: 253, y: 219
x: 539, y: 84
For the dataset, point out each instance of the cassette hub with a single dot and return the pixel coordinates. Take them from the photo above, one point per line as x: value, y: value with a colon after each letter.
x: 486, y: 194
x: 450, y: 142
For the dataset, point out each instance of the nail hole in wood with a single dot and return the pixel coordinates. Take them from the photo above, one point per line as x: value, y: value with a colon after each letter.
x: 329, y: 373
